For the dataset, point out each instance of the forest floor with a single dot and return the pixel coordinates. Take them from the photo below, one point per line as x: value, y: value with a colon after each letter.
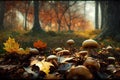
x: 71, y: 62
x: 53, y: 39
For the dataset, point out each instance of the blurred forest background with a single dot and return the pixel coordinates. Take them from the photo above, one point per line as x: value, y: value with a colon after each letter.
x: 56, y: 21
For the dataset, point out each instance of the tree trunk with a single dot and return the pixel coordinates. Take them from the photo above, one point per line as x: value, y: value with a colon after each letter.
x: 69, y: 27
x: 36, y: 25
x: 2, y: 12
x: 85, y: 9
x: 103, y: 8
x: 59, y: 25
x: 112, y: 27
x: 96, y: 14
x: 26, y: 12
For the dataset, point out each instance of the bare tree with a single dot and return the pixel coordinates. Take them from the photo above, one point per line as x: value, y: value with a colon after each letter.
x: 60, y: 8
x: 70, y: 16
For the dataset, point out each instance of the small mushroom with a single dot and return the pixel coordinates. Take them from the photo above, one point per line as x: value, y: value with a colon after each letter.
x: 79, y: 72
x: 51, y: 57
x: 83, y: 53
x: 92, y: 64
x: 109, y: 48
x: 58, y: 49
x: 34, y: 51
x: 53, y: 60
x: 90, y: 44
x: 70, y: 42
x: 63, y: 52
x: 111, y: 60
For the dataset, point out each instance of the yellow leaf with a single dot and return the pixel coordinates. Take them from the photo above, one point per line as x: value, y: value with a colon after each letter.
x: 11, y: 46
x: 43, y: 65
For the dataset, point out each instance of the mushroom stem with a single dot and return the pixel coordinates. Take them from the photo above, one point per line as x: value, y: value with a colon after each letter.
x: 71, y: 49
x: 92, y: 52
x: 54, y: 62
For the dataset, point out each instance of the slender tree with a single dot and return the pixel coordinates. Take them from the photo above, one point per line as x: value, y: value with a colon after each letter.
x: 2, y: 12
x: 27, y: 4
x: 96, y: 14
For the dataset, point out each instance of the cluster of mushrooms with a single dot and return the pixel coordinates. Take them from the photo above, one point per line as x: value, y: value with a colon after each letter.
x: 90, y: 62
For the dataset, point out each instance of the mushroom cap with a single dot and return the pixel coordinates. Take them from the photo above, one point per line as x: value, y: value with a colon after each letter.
x: 70, y: 42
x: 111, y: 58
x: 91, y: 62
x: 34, y: 50
x: 51, y: 57
x: 83, y: 53
x: 58, y: 49
x: 90, y: 43
x: 109, y: 47
x: 63, y: 52
x: 79, y: 72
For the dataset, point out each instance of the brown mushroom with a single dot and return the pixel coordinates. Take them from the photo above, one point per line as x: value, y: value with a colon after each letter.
x: 79, y: 72
x: 58, y: 49
x: 63, y: 52
x: 92, y: 64
x: 70, y: 42
x: 90, y: 45
x: 83, y: 53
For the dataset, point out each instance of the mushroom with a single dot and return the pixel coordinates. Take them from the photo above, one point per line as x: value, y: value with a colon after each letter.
x: 90, y: 44
x: 92, y: 64
x: 70, y: 42
x: 34, y: 51
x: 53, y: 60
x: 63, y: 52
x: 111, y: 60
x: 51, y: 57
x: 58, y: 49
x: 83, y: 53
x: 79, y: 72
x: 109, y: 48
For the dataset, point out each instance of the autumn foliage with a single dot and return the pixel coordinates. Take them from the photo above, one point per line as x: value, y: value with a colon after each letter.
x: 11, y: 46
x: 40, y: 44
